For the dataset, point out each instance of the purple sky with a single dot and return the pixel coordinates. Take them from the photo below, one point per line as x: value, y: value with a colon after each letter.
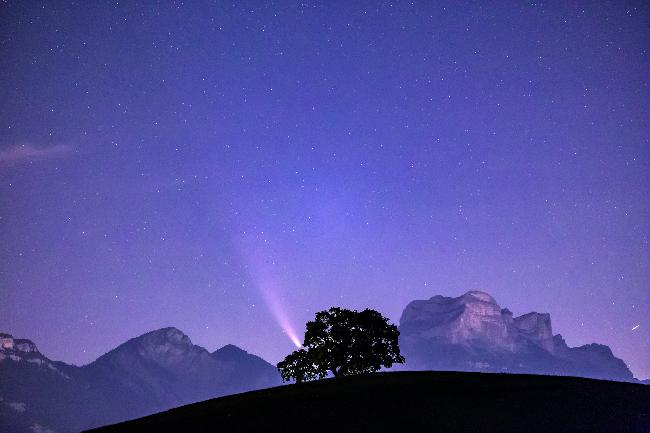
x: 229, y: 169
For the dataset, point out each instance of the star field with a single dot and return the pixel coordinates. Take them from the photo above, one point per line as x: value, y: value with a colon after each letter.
x: 231, y: 168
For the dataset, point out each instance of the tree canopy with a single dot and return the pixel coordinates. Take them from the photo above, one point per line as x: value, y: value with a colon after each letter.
x: 343, y: 342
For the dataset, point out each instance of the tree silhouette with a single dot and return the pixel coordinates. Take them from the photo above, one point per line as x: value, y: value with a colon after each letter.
x: 343, y: 342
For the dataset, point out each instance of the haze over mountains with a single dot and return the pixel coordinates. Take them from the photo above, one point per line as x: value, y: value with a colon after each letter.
x: 163, y: 369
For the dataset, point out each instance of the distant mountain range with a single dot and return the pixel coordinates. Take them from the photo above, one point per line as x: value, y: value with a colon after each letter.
x: 163, y: 369
x: 473, y: 333
x: 153, y: 372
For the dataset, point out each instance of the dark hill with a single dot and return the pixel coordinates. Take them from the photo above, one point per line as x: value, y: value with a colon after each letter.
x: 417, y: 401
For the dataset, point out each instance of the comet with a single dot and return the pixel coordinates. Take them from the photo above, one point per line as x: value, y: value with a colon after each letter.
x: 262, y: 275
x: 277, y: 310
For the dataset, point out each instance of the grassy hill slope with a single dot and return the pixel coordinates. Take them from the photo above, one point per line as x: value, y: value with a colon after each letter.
x: 417, y: 401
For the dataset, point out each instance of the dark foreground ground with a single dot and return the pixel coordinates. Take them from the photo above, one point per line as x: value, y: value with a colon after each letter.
x: 418, y: 402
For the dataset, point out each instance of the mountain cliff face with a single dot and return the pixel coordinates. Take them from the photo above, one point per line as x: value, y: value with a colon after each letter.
x: 151, y: 373
x: 473, y: 333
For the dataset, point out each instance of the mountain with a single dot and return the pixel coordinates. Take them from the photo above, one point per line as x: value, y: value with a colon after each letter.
x: 245, y: 371
x: 163, y: 369
x: 153, y: 372
x: 34, y: 391
x: 473, y: 333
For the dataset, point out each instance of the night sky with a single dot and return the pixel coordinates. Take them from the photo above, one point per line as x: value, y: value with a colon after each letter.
x: 230, y: 169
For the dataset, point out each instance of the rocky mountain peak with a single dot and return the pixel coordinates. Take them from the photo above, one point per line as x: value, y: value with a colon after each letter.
x: 472, y: 332
x: 475, y: 317
x: 559, y: 344
x: 6, y: 342
x: 472, y: 317
x: 23, y: 351
x: 230, y: 349
x: 475, y: 295
x: 166, y: 335
x: 164, y: 340
x: 536, y: 328
x: 230, y: 353
x: 166, y: 347
x: 600, y: 349
x: 10, y: 344
x: 24, y: 345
